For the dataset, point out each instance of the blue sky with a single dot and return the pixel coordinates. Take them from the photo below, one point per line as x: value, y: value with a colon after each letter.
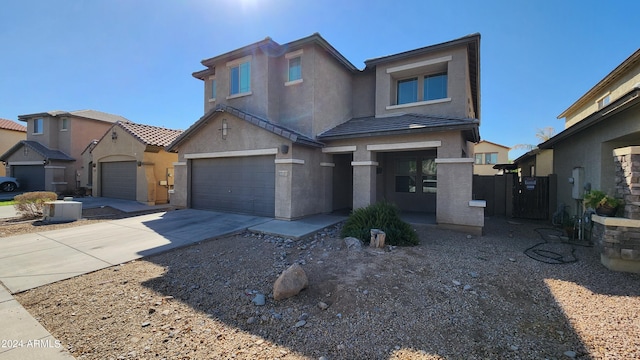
x: 135, y: 57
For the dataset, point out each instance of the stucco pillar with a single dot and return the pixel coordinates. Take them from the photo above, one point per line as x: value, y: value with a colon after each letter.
x: 455, y: 206
x: 364, y: 178
x: 149, y: 184
x: 284, y: 175
x: 180, y: 186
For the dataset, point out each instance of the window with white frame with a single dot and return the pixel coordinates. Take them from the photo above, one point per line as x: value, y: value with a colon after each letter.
x: 486, y: 158
x: 420, y: 83
x: 213, y: 92
x: 38, y: 126
x: 604, y: 101
x: 64, y: 124
x: 240, y: 76
x: 295, y: 68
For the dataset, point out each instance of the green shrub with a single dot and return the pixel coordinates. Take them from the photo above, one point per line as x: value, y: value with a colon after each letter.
x: 383, y: 216
x: 31, y: 204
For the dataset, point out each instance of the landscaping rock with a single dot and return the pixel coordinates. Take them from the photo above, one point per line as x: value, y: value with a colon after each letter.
x: 290, y: 282
x: 352, y: 243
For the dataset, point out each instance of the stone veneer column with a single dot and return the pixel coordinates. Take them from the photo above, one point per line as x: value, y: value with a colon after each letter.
x: 628, y: 179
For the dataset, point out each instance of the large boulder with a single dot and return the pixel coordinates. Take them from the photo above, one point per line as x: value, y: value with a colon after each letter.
x: 290, y: 282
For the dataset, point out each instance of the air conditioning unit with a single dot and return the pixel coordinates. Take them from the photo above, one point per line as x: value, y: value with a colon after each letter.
x: 62, y: 211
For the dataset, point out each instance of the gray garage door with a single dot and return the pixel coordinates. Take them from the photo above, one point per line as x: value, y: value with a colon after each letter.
x: 118, y: 179
x: 30, y: 177
x: 240, y: 185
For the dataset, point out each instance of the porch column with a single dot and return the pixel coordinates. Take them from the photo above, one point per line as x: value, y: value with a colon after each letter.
x: 364, y: 178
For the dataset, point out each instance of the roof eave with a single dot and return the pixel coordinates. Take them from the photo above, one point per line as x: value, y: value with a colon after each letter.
x: 615, y: 73
x: 472, y: 129
x: 629, y: 99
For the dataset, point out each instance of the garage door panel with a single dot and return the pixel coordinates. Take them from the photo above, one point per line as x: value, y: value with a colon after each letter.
x: 242, y: 185
x: 118, y: 179
x: 30, y: 177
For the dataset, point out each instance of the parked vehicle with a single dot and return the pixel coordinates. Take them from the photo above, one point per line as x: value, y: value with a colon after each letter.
x: 8, y: 184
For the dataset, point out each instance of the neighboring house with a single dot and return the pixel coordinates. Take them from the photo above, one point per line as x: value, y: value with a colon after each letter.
x: 486, y: 155
x: 536, y: 162
x: 130, y: 162
x: 50, y: 158
x: 296, y: 129
x: 10, y: 133
x: 603, y: 119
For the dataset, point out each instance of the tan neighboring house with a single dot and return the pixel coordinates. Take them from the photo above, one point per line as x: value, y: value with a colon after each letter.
x: 50, y: 158
x: 10, y: 133
x: 605, y: 118
x: 486, y: 155
x: 291, y: 130
x: 130, y: 162
x: 536, y: 162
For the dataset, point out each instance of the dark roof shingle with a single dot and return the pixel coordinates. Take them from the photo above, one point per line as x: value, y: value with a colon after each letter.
x: 401, y: 124
x: 45, y: 152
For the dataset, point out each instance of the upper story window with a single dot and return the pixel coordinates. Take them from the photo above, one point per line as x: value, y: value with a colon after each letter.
x: 604, y: 102
x: 240, y: 77
x: 213, y: 93
x: 64, y: 124
x: 486, y: 158
x: 435, y: 86
x: 38, y: 126
x: 420, y: 83
x: 294, y: 67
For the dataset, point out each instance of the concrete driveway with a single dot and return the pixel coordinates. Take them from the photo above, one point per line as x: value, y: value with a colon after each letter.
x: 31, y: 260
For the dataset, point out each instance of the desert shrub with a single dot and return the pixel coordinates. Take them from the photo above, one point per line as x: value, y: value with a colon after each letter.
x: 31, y: 204
x: 383, y: 216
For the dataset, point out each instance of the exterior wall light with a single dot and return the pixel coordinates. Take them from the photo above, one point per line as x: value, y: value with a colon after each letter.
x: 225, y: 129
x: 114, y: 135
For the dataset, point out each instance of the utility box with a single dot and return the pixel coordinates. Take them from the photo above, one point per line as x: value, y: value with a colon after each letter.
x: 62, y: 211
x: 577, y: 190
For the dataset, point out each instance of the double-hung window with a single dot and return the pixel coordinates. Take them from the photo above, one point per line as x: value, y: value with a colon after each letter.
x: 419, y: 83
x: 240, y: 77
x: 213, y: 85
x: 64, y: 124
x: 37, y: 126
x: 295, y: 69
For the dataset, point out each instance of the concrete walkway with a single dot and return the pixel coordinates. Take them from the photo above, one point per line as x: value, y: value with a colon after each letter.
x: 32, y: 260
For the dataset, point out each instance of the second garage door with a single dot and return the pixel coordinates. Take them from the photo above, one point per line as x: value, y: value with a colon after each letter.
x: 118, y: 179
x: 240, y: 185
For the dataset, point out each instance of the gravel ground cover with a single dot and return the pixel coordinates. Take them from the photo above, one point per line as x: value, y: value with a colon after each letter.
x: 452, y: 297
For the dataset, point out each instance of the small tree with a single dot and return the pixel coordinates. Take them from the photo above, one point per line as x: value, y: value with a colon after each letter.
x: 542, y: 134
x: 30, y: 205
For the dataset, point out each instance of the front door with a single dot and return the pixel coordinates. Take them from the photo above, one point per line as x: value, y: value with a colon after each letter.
x: 411, y: 180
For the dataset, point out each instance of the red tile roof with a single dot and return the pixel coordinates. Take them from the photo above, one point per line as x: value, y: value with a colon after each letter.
x: 150, y: 135
x: 11, y: 125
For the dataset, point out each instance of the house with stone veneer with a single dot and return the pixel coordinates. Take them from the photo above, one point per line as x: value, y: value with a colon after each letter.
x: 10, y: 133
x: 295, y: 129
x: 50, y: 157
x: 130, y: 162
x: 600, y: 149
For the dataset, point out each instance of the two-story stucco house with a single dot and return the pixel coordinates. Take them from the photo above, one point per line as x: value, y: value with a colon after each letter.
x: 50, y: 158
x: 486, y: 155
x: 605, y: 118
x: 10, y: 133
x: 295, y: 129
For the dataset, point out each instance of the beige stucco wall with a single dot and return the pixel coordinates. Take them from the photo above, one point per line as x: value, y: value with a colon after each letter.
x: 152, y: 169
x: 457, y: 90
x: 8, y: 138
x: 615, y: 90
x: 592, y: 150
x: 488, y: 147
x: 544, y: 163
x: 364, y: 94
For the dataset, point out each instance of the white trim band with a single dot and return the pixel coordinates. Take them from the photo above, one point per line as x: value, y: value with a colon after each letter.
x: 239, y: 61
x: 325, y: 164
x: 364, y: 163
x: 419, y: 103
x: 54, y: 167
x: 238, y: 153
x: 289, y: 161
x: 180, y: 163
x: 34, y: 162
x: 293, y: 54
x: 405, y: 146
x: 419, y: 64
x: 339, y: 149
x: 478, y: 203
x: 455, y: 161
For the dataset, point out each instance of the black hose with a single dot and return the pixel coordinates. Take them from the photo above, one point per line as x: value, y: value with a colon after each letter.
x: 551, y: 257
